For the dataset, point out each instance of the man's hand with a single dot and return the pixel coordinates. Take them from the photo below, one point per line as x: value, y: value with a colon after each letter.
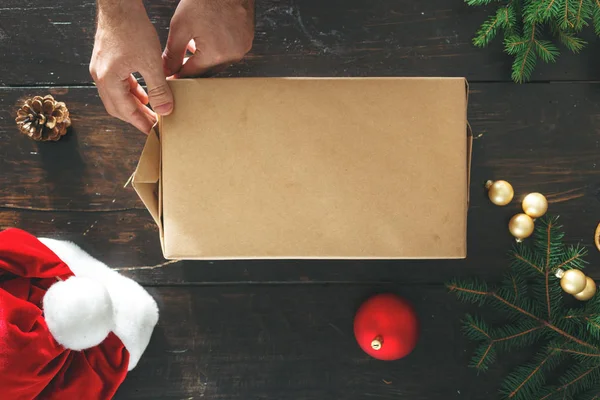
x: 126, y: 42
x: 218, y: 32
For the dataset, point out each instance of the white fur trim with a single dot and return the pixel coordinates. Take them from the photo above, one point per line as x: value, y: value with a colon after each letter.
x: 78, y: 312
x: 135, y: 311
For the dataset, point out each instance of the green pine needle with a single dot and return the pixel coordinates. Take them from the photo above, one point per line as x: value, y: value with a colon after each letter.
x: 572, y: 42
x: 523, y: 23
x: 487, y: 32
x: 592, y: 394
x: 523, y: 65
x: 596, y: 17
x: 579, y: 378
x: 531, y: 298
x: 546, y: 50
x: 527, y: 381
x: 479, y: 2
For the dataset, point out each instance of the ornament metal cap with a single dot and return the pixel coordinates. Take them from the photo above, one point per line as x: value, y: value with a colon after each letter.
x: 377, y: 343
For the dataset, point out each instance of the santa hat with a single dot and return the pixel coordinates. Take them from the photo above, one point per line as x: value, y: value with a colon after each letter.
x: 70, y: 327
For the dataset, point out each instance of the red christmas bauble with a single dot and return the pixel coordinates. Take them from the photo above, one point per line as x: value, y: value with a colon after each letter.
x: 386, y: 327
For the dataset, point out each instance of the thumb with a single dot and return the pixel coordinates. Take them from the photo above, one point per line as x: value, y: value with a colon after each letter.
x: 159, y: 92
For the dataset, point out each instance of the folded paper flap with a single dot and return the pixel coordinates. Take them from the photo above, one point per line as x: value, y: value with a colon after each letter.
x: 148, y: 169
x: 146, y: 177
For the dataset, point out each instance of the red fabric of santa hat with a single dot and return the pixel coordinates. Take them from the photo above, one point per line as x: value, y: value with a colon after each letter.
x: 67, y: 329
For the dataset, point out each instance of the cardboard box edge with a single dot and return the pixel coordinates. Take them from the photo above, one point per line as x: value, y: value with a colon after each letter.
x: 469, y: 160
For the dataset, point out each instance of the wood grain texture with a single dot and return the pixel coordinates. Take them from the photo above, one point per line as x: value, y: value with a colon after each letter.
x: 296, y: 342
x: 86, y: 170
x: 283, y: 329
x: 293, y: 38
x: 75, y: 187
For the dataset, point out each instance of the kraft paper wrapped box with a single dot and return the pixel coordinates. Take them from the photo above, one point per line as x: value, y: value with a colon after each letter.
x: 295, y: 168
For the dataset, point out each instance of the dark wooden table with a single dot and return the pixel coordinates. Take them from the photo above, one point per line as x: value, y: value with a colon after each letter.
x: 283, y: 329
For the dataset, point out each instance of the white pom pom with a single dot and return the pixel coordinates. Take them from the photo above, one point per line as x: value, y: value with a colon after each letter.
x: 78, y: 312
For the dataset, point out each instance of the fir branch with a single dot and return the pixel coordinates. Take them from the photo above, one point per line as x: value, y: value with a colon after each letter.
x: 479, y: 2
x: 547, y: 268
x: 546, y: 50
x: 527, y: 262
x: 484, y: 355
x: 527, y: 380
x: 510, y: 17
x: 593, y: 325
x: 515, y: 283
x: 517, y: 335
x: 525, y: 59
x: 596, y: 17
x: 514, y: 307
x: 571, y: 42
x: 470, y: 294
x: 584, y: 13
x: 580, y: 377
x: 570, y: 337
x: 507, y: 337
x: 574, y: 261
x: 534, y: 373
x: 538, y: 313
x: 515, y: 288
x: 580, y: 353
x: 472, y: 291
x: 566, y: 23
x: 522, y: 22
x: 475, y: 329
x: 593, y: 394
x: 552, y: 8
x: 578, y: 16
x: 531, y: 14
x: 487, y: 31
x: 586, y: 316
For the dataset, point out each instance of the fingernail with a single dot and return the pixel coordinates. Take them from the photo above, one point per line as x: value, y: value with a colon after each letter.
x: 164, y: 109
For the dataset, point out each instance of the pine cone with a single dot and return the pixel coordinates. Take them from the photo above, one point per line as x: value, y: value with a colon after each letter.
x: 43, y: 118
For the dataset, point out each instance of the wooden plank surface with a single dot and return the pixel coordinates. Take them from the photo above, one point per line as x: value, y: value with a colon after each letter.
x: 293, y: 38
x: 283, y: 329
x: 74, y: 188
x: 295, y: 342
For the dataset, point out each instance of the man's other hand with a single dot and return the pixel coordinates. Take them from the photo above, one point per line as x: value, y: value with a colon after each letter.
x: 217, y: 32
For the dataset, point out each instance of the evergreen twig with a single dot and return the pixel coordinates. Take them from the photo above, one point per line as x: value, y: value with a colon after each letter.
x: 524, y: 23
x: 531, y: 295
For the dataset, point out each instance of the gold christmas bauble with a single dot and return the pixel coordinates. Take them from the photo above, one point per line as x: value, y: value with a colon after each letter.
x: 521, y: 226
x: 573, y: 281
x: 535, y: 205
x: 500, y: 192
x: 588, y: 292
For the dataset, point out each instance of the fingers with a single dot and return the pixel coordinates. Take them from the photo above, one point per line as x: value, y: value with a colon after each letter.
x: 177, y: 42
x: 196, y: 65
x: 138, y: 115
x: 209, y: 60
x: 159, y: 93
x: 137, y: 90
x: 120, y: 102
